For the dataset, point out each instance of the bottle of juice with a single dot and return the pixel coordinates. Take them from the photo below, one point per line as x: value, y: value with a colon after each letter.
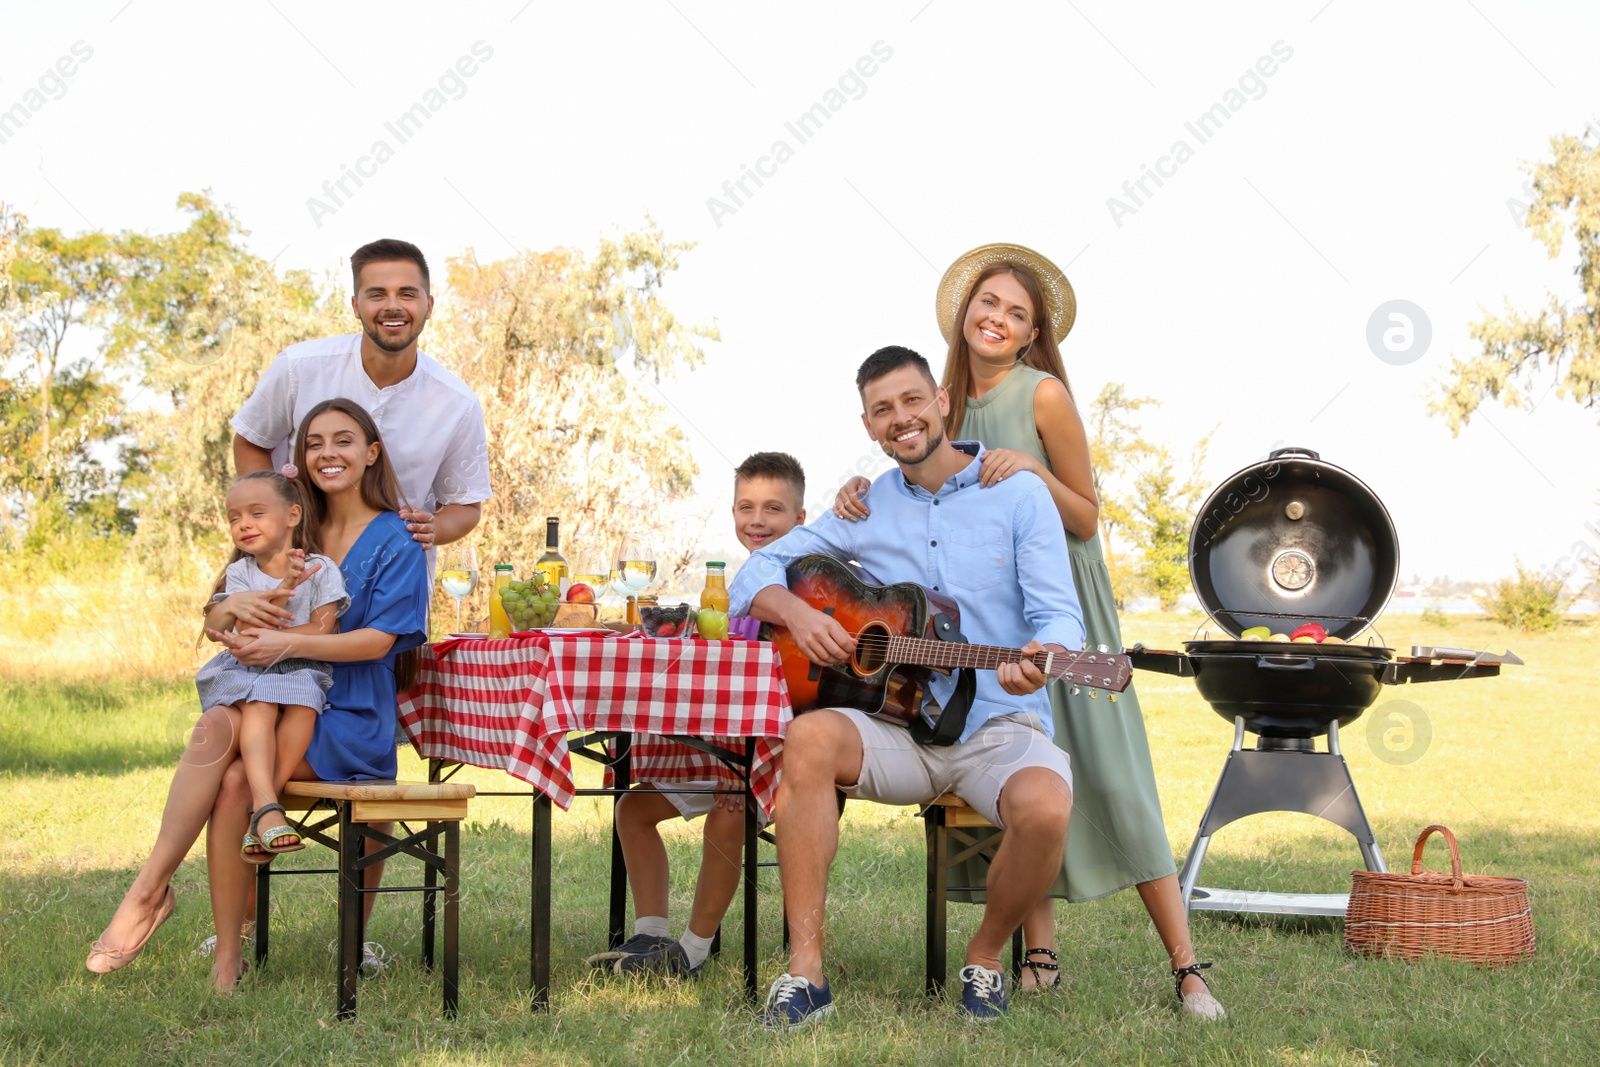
x: 715, y: 594
x: 499, y: 621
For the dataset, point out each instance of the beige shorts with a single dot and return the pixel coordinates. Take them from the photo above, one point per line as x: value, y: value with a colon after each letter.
x: 897, y: 770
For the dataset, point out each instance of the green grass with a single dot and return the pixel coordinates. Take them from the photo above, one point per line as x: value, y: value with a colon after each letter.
x: 83, y: 774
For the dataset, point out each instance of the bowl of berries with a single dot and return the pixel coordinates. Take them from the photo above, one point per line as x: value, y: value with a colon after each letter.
x: 661, y: 621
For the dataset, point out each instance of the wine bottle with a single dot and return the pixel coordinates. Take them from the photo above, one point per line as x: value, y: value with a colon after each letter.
x: 553, y: 565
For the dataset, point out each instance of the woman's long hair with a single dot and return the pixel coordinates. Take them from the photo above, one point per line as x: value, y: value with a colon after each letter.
x: 1042, y: 354
x: 379, y: 487
x: 306, y: 535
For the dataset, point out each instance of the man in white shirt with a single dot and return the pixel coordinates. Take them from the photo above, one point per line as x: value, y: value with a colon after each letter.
x: 431, y: 422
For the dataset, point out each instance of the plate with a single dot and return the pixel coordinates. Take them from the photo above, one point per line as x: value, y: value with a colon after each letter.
x: 573, y: 630
x: 466, y: 637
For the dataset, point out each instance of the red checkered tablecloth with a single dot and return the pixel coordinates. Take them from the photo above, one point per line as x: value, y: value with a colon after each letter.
x: 509, y: 704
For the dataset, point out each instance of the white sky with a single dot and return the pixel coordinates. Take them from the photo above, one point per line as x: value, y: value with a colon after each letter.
x: 1376, y: 166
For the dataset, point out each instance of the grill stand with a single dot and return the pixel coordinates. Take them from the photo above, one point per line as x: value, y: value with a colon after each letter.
x: 1279, y: 779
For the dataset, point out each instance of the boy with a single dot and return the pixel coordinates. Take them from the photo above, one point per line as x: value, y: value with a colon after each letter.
x: 768, y: 494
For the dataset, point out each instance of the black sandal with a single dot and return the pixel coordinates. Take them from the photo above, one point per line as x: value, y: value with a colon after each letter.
x: 1202, y: 1005
x: 1036, y: 966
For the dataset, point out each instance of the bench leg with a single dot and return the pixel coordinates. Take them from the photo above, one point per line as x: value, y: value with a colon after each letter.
x: 350, y: 878
x: 263, y: 909
x: 452, y: 915
x: 937, y: 873
x: 430, y: 878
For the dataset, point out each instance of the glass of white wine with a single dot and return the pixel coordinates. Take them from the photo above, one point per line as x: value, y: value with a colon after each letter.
x: 594, y: 574
x: 637, y: 563
x: 458, y: 574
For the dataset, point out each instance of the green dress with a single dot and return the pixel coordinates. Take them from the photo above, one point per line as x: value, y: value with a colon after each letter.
x: 1116, y: 837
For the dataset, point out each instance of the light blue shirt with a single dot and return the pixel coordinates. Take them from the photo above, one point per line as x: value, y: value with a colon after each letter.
x: 1000, y: 552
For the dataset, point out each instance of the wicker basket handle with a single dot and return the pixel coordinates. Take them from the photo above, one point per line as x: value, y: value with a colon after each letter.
x: 1455, y: 853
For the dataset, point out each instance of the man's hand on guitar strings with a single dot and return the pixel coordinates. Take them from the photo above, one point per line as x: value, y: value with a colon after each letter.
x: 822, y: 640
x: 1023, y: 677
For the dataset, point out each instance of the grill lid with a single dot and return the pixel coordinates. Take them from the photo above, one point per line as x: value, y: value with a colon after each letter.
x: 1294, y: 539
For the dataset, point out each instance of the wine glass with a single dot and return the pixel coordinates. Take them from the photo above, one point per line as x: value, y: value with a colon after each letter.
x: 458, y: 574
x: 637, y: 561
x: 593, y: 573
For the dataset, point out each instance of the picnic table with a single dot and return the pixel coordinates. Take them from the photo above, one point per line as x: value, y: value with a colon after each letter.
x: 659, y: 710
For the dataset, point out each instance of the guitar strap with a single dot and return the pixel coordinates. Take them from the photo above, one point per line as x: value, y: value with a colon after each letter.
x: 953, y: 717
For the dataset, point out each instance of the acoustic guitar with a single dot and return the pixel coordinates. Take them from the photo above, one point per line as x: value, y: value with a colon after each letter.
x: 903, y: 633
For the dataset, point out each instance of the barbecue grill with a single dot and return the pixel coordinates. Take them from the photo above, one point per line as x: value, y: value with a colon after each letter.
x: 1290, y: 540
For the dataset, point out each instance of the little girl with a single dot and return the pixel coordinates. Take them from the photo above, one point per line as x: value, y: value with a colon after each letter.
x: 273, y: 560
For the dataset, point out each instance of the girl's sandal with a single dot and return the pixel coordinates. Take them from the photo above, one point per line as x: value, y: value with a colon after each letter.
x: 1199, y: 1005
x: 267, y: 840
x: 1036, y: 966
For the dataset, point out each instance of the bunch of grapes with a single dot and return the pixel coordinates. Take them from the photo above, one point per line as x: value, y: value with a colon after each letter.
x: 530, y: 604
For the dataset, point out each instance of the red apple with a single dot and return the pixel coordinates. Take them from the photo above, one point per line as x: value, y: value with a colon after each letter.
x: 578, y: 593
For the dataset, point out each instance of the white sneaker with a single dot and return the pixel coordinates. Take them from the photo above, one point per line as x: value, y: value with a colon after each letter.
x: 375, y: 959
x: 208, y: 947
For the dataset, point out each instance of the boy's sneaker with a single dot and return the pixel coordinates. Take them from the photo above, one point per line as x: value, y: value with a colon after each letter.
x: 375, y: 959
x: 669, y: 960
x: 637, y: 945
x: 793, y: 1003
x: 983, y: 993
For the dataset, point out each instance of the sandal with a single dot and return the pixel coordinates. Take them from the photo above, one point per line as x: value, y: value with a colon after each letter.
x: 267, y: 841
x: 1036, y: 966
x: 1200, y: 1005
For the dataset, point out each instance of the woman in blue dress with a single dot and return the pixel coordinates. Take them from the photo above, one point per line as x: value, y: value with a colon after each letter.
x: 353, y: 498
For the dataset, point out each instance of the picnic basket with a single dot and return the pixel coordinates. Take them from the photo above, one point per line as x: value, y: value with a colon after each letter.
x: 1477, y: 919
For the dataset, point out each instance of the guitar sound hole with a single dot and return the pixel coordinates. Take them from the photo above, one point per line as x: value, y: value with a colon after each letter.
x: 872, y: 648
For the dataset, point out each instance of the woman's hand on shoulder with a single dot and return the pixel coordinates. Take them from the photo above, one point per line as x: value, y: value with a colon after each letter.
x: 851, y: 501
x: 260, y: 607
x: 1001, y: 463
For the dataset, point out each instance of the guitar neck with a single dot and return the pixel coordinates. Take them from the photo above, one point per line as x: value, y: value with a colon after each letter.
x: 945, y: 654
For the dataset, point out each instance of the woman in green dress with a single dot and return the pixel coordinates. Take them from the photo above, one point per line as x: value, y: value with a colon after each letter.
x: 1008, y: 389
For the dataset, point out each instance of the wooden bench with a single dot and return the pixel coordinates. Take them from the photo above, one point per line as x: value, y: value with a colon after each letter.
x: 948, y: 818
x: 351, y: 810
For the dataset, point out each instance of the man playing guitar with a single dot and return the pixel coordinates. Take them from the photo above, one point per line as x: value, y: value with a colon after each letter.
x: 998, y: 551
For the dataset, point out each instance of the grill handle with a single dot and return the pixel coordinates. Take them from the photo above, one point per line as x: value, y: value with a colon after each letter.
x: 1294, y: 452
x: 1303, y: 664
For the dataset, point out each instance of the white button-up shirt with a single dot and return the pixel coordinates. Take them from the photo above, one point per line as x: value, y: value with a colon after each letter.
x: 431, y: 423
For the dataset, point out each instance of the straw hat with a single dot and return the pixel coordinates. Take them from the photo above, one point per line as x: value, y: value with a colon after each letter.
x: 1060, y: 303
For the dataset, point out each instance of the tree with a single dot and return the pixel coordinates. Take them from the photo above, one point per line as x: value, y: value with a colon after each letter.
x: 562, y: 350
x: 67, y: 453
x: 1115, y: 451
x: 1162, y: 511
x: 197, y: 320
x: 1561, y: 340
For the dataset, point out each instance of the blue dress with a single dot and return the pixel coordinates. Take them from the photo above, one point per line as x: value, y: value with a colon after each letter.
x: 386, y: 575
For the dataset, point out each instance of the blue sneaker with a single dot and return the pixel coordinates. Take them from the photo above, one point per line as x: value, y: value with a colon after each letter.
x: 983, y: 993
x: 793, y: 1003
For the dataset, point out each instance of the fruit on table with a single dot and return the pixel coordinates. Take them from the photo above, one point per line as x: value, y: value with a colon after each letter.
x: 712, y: 624
x: 529, y: 604
x: 1332, y: 640
x: 579, y: 593
x: 1304, y: 639
x: 572, y: 615
x: 1279, y: 637
x: 1257, y: 633
x: 1312, y: 630
x: 658, y: 621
